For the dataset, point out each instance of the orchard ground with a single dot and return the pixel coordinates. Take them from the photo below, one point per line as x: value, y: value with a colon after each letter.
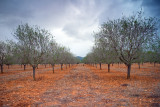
x: 81, y: 85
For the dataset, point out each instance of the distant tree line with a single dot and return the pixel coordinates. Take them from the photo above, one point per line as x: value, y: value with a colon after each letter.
x: 127, y: 40
x: 34, y: 46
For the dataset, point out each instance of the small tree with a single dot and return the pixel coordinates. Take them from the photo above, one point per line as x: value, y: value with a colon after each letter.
x: 156, y: 51
x: 53, y: 53
x: 105, y: 52
x: 34, y: 41
x: 3, y: 53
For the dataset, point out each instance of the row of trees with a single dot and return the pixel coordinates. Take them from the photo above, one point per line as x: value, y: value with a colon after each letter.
x: 34, y: 46
x: 127, y: 40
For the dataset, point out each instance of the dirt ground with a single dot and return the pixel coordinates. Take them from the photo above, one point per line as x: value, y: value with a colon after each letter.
x: 80, y: 85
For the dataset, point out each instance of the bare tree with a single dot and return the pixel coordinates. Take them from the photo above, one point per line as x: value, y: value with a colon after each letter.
x: 53, y: 53
x: 62, y: 52
x: 104, y: 51
x: 97, y: 56
x: 34, y: 41
x: 3, y: 53
x: 155, y: 48
x: 128, y: 35
x: 20, y: 53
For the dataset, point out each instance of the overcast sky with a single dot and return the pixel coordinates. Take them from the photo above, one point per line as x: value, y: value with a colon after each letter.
x: 71, y: 22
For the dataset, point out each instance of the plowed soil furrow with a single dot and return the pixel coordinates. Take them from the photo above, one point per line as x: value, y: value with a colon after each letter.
x: 23, y: 74
x: 81, y: 87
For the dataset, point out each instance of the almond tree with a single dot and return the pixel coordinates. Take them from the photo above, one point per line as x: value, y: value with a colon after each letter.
x: 62, y: 52
x: 128, y: 35
x: 34, y: 41
x: 3, y: 53
x: 10, y: 58
x: 156, y: 51
x: 20, y: 53
x: 98, y: 56
x: 53, y: 53
x: 105, y: 52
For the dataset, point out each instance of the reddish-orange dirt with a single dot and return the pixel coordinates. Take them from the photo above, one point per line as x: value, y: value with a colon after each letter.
x: 82, y: 86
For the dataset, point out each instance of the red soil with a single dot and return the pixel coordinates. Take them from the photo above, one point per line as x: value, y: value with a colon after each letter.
x: 81, y: 86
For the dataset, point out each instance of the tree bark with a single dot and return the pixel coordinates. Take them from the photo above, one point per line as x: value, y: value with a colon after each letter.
x: 129, y: 70
x: 66, y: 66
x: 1, y: 68
x: 100, y: 66
x: 53, y: 68
x: 139, y: 65
x: 61, y: 66
x: 24, y: 67
x: 69, y: 65
x: 8, y: 66
x: 154, y: 64
x: 108, y: 67
x: 45, y: 65
x: 34, y: 73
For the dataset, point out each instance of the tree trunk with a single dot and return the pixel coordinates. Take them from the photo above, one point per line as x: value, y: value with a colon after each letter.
x: 61, y: 66
x: 69, y: 65
x: 53, y: 68
x: 8, y: 66
x: 1, y: 68
x: 24, y: 67
x: 112, y: 64
x: 37, y: 66
x: 108, y: 67
x: 66, y: 66
x: 45, y: 65
x: 34, y: 73
x: 100, y: 66
x: 129, y: 70
x: 154, y: 64
x: 139, y: 65
x: 21, y: 65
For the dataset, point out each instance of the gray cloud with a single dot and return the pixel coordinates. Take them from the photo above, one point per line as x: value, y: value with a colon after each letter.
x: 70, y: 21
x: 152, y: 7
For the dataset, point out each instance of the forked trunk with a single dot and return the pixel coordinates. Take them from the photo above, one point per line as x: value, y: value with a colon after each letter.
x: 100, y: 66
x: 1, y: 68
x: 34, y: 73
x: 108, y: 67
x: 129, y: 70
